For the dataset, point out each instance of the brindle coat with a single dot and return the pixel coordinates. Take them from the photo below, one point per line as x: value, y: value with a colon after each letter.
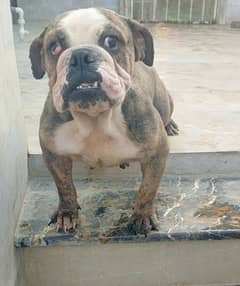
x: 135, y: 130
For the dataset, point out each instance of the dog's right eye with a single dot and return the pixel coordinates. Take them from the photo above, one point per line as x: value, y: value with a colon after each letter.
x: 55, y: 48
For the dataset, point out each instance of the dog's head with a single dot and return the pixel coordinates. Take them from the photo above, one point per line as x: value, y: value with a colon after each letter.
x: 89, y: 56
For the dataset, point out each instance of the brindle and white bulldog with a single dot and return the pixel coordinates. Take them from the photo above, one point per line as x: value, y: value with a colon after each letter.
x: 106, y: 106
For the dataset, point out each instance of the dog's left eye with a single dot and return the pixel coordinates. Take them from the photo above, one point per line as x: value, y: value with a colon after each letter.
x: 55, y: 48
x: 111, y: 43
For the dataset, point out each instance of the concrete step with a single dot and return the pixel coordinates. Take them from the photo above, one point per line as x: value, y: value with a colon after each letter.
x: 198, y: 242
x: 179, y: 263
x: 188, y: 208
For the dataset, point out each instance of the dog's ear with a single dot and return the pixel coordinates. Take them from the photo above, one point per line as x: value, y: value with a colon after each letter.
x: 143, y: 42
x: 36, y: 57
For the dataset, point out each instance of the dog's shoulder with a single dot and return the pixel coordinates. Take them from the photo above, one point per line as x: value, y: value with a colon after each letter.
x: 143, y: 74
x: 145, y: 80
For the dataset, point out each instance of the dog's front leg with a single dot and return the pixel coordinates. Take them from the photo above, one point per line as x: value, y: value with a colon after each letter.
x: 61, y: 169
x: 144, y: 216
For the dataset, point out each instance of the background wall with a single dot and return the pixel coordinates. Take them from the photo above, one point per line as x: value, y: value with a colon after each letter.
x: 45, y: 9
x: 231, y: 11
x: 13, y: 150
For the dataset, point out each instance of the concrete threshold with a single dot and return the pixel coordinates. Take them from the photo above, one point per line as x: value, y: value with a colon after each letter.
x: 189, y: 208
x: 198, y: 242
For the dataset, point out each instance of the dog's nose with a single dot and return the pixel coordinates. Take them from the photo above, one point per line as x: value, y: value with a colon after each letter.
x: 82, y: 58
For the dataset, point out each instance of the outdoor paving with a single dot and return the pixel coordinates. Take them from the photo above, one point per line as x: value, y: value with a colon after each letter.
x: 200, y: 65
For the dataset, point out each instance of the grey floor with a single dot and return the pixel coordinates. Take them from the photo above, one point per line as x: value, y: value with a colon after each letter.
x: 200, y: 65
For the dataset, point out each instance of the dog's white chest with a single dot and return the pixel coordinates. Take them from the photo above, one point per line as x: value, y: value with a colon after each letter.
x: 101, y: 142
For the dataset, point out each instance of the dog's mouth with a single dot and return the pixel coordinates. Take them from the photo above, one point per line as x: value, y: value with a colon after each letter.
x: 86, y: 95
x: 81, y: 84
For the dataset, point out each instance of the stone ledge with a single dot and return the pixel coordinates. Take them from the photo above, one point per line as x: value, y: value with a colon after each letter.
x: 189, y: 208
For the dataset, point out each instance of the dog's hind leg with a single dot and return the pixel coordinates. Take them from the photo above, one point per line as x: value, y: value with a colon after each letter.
x: 163, y: 102
x: 172, y: 128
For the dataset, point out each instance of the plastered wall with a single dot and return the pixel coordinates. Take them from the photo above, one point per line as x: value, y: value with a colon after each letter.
x: 232, y: 11
x: 13, y: 150
x: 46, y: 10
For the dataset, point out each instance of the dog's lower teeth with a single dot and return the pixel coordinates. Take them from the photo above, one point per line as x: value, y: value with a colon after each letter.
x: 88, y: 85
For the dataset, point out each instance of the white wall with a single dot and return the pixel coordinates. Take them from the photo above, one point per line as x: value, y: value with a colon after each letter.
x: 46, y: 10
x: 229, y: 11
x: 13, y: 150
x: 233, y: 11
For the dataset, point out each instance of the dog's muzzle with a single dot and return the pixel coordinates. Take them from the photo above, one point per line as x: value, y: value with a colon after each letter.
x: 88, y: 80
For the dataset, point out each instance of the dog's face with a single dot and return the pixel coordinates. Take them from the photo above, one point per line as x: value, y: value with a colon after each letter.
x: 89, y: 56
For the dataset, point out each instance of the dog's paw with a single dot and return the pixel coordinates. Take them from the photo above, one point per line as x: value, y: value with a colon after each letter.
x: 65, y: 219
x: 143, y: 223
x: 172, y: 128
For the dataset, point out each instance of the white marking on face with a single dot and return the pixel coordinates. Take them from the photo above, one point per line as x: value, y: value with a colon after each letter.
x: 83, y: 26
x: 101, y: 141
